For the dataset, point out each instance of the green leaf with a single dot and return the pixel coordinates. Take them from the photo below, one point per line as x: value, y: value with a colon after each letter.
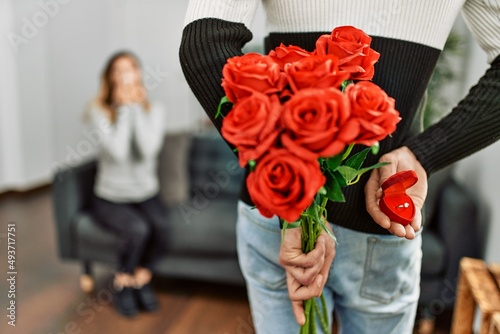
x: 340, y: 178
x: 356, y: 161
x: 344, y: 84
x: 348, y: 173
x: 377, y: 165
x: 323, y: 226
x: 334, y: 162
x: 364, y: 170
x: 347, y: 151
x: 223, y: 101
x: 333, y: 189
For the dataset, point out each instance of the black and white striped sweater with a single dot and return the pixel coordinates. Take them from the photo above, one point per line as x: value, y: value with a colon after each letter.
x: 409, y: 35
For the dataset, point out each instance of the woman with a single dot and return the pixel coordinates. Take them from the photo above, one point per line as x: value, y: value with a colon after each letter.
x: 126, y: 189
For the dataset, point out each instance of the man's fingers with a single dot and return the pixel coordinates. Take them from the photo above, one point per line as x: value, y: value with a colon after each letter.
x: 373, y: 195
x: 299, y: 292
x: 401, y: 231
x: 410, y: 232
x: 416, y: 224
x: 388, y: 170
x: 295, y: 257
x: 305, y: 276
x: 305, y: 267
x: 379, y: 217
x: 399, y: 159
x: 298, y: 312
x: 397, y: 229
x: 329, y: 256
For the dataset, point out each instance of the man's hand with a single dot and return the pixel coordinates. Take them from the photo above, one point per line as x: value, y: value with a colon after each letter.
x: 400, y: 159
x: 306, y: 274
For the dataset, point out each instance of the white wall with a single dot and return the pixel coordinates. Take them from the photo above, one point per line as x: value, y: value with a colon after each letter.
x: 51, y: 67
x: 10, y: 137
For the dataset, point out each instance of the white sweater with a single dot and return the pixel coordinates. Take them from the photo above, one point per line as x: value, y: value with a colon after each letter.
x: 128, y: 150
x: 426, y: 22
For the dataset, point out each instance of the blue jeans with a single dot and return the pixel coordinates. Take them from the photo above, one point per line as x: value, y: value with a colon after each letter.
x: 373, y: 284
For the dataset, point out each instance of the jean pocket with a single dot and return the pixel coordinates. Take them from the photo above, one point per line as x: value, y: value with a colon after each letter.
x: 253, y: 215
x: 258, y: 249
x: 263, y: 271
x: 391, y: 268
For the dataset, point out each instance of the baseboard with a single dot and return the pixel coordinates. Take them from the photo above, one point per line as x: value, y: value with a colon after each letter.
x: 16, y: 193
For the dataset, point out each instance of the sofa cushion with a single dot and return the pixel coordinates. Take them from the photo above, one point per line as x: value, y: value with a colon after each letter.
x: 434, y: 254
x: 173, y: 168
x: 214, y: 164
x: 203, y: 227
x: 216, y: 269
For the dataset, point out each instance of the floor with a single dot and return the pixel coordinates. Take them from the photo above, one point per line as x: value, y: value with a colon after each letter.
x: 48, y: 299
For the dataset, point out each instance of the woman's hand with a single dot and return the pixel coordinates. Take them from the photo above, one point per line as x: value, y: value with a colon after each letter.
x: 129, y: 94
x: 400, y: 159
x: 306, y: 274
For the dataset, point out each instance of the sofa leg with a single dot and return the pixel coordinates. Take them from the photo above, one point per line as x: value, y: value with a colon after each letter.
x: 86, y: 279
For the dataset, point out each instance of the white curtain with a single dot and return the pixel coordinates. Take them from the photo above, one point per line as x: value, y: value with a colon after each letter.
x: 11, y: 170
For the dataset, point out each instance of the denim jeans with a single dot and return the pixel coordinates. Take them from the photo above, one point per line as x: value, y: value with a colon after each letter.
x: 373, y: 284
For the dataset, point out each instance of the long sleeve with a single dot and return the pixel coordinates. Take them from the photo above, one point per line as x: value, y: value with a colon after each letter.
x: 115, y: 137
x: 127, y: 162
x: 208, y: 40
x: 148, y: 129
x: 475, y: 122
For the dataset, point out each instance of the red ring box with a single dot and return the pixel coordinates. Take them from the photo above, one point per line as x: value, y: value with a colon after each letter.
x: 395, y: 203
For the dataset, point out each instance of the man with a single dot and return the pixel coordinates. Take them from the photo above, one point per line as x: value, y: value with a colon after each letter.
x: 374, y: 280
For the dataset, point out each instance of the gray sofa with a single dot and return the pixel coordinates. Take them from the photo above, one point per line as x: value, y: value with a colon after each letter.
x: 200, y: 180
x: 456, y: 226
x: 200, y: 183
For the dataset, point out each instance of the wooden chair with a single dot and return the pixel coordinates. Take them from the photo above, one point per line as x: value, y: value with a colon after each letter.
x: 495, y: 324
x: 478, y: 285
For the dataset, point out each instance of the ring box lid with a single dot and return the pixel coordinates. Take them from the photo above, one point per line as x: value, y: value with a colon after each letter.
x: 399, y: 182
x: 395, y: 203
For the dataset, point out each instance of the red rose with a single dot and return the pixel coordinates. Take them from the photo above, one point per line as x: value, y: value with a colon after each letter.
x: 252, y: 125
x: 252, y: 72
x: 317, y: 123
x: 315, y: 72
x: 352, y: 47
x: 374, y: 110
x: 284, y: 184
x: 288, y: 54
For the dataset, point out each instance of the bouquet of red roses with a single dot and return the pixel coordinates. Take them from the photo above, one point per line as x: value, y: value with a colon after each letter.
x: 295, y: 118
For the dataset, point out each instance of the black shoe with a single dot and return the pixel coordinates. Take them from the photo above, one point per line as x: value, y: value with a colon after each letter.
x: 125, y: 302
x: 146, y: 298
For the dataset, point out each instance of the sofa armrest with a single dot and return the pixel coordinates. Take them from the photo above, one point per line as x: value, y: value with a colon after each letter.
x: 71, y: 190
